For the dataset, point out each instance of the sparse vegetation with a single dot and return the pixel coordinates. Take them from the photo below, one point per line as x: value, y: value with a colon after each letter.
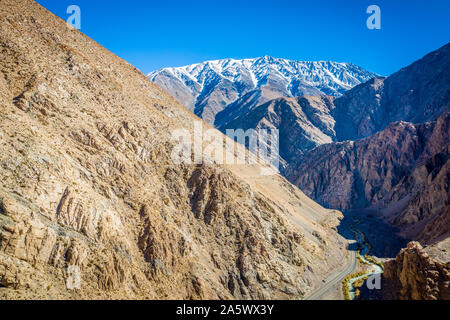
x: 356, y: 284
x: 374, y: 261
x: 367, y: 260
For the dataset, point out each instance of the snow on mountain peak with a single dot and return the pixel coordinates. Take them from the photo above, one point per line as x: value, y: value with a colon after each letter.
x: 217, y: 83
x: 309, y: 71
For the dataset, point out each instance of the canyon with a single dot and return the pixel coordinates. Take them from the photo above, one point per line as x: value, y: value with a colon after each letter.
x: 380, y: 149
x: 220, y: 90
x: 89, y: 186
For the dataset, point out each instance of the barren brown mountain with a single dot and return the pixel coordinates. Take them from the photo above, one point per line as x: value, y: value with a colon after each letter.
x: 417, y: 93
x: 87, y: 180
x: 303, y: 123
x: 402, y: 173
x: 418, y: 274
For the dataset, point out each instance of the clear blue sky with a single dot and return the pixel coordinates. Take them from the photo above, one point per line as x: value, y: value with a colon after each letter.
x: 155, y: 34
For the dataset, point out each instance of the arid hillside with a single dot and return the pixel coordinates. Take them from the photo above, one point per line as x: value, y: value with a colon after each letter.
x: 401, y: 173
x: 303, y: 123
x: 418, y: 274
x: 87, y: 181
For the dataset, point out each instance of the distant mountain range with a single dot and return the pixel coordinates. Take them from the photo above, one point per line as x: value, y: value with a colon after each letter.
x: 390, y: 151
x: 341, y: 141
x: 227, y: 88
x: 417, y: 93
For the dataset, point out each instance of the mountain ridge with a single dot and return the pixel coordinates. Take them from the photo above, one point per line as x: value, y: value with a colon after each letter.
x: 417, y: 93
x: 360, y: 112
x: 207, y: 88
x: 409, y: 187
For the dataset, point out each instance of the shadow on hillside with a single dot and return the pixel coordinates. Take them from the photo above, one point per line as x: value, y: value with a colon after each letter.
x: 353, y: 246
x: 382, y: 237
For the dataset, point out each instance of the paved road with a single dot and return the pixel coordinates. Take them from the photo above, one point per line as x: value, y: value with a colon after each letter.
x: 335, y: 278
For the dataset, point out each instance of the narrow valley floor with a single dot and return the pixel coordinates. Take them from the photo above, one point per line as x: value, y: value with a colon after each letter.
x: 382, y: 242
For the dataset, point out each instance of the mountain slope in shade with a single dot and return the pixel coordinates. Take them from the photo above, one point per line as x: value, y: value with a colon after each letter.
x: 88, y: 182
x: 208, y: 88
x: 417, y: 94
x: 244, y: 105
x: 303, y: 123
x: 402, y: 173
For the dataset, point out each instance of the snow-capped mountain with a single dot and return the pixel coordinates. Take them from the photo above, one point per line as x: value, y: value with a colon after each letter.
x: 208, y: 88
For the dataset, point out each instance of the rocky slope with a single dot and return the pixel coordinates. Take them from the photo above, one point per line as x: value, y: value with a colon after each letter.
x: 417, y: 94
x: 303, y: 123
x: 397, y: 171
x: 402, y: 172
x: 210, y: 87
x: 88, y: 181
x: 415, y: 275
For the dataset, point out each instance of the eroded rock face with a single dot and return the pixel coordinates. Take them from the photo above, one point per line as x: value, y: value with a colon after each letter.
x: 414, y: 275
x: 303, y: 123
x: 402, y: 172
x: 88, y: 182
x: 417, y: 94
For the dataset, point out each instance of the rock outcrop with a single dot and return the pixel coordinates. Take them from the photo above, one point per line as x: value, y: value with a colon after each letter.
x: 402, y: 172
x: 417, y: 93
x: 414, y: 275
x: 90, y: 196
x: 303, y: 123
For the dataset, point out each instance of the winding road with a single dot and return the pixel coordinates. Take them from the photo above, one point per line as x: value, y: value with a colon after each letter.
x: 335, y: 278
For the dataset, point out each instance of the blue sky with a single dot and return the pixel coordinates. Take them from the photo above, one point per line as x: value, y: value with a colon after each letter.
x: 155, y: 34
